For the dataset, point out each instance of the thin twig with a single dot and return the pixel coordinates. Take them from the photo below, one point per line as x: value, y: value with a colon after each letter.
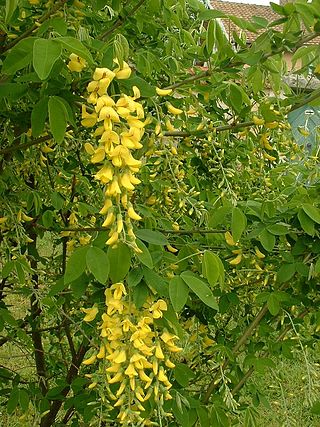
x: 251, y: 370
x: 36, y: 26
x: 120, y: 21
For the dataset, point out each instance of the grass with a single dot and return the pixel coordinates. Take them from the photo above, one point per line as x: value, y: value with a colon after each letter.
x: 291, y: 389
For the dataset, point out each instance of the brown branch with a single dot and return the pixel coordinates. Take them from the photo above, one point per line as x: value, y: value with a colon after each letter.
x: 120, y: 21
x: 49, y: 419
x: 25, y: 145
x: 315, y: 95
x: 36, y: 336
x: 251, y: 370
x: 36, y: 26
x: 247, y: 333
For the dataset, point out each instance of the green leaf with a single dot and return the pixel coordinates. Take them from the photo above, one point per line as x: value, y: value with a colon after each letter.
x: 315, y: 409
x: 267, y: 240
x: 236, y: 99
x: 140, y: 294
x: 144, y: 256
x: 57, y: 118
x: 211, y: 14
x: 24, y: 400
x: 13, y: 400
x: 273, y: 304
x: 238, y: 223
x: 134, y: 277
x: 98, y: 264
x: 156, y: 282
x: 317, y: 267
x: 47, y: 218
x: 75, y: 46
x: 210, y: 36
x: 306, y: 222
x: 285, y: 272
x: 7, y: 268
x: 45, y: 53
x: 11, y: 6
x: 76, y: 265
x: 145, y: 88
x: 278, y: 229
x: 183, y: 374
x: 39, y: 116
x: 312, y: 212
x: 7, y: 317
x: 19, y: 56
x: 178, y: 293
x: 120, y: 261
x: 211, y: 267
x: 200, y: 288
x: 13, y: 91
x: 151, y: 236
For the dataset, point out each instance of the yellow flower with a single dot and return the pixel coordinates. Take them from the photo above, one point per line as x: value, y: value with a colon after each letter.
x: 173, y: 110
x: 162, y: 376
x: 122, y: 357
x: 119, y: 290
x: 133, y: 215
x: 107, y: 205
x: 169, y: 364
x: 104, y: 101
x: 92, y: 385
x: 101, y: 73
x: 90, y: 361
x: 157, y: 308
x: 113, y: 239
x: 109, y: 113
x: 102, y: 352
x: 88, y: 119
x: 159, y: 353
x: 105, y: 174
x: 117, y: 378
x: 123, y: 72
x: 163, y: 92
x: 144, y: 377
x: 76, y: 63
x: 229, y: 239
x: 130, y: 371
x: 121, y: 388
x: 90, y: 313
x: 120, y: 401
x: 236, y: 260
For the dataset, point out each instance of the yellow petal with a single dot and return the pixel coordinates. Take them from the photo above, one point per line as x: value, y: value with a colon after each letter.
x: 163, y: 92
x: 113, y: 239
x: 90, y: 313
x: 132, y: 214
x: 90, y: 361
x: 174, y: 110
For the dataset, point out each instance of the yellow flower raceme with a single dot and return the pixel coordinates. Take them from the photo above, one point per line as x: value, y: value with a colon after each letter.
x: 134, y: 354
x: 120, y: 131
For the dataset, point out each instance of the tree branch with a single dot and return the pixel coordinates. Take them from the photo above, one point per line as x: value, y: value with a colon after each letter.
x: 214, y: 382
x: 120, y: 21
x: 49, y: 419
x: 36, y: 26
x: 36, y: 336
x: 24, y: 145
x: 251, y: 370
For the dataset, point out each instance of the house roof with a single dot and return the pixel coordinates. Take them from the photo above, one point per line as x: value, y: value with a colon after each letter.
x: 247, y: 12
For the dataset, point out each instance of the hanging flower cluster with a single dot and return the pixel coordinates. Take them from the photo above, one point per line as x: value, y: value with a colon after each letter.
x: 135, y: 354
x: 121, y: 127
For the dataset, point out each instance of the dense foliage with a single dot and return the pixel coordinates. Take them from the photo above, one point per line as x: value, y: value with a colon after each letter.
x: 159, y: 224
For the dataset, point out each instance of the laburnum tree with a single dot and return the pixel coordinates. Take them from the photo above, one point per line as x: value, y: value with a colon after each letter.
x: 159, y: 223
